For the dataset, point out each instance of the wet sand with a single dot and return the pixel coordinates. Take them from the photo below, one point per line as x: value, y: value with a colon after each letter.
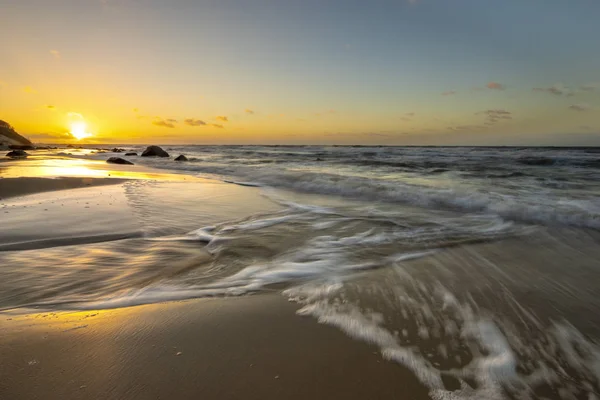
x: 236, y: 348
x: 13, y: 187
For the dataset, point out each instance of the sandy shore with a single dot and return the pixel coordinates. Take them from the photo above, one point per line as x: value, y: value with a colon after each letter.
x: 248, y: 348
x: 12, y: 187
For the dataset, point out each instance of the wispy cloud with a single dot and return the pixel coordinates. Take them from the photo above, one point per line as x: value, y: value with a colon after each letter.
x: 135, y: 110
x: 222, y: 118
x: 410, y: 114
x: 219, y: 126
x: 590, y: 87
x: 557, y: 89
x: 50, y: 107
x: 494, y: 115
x: 328, y: 112
x: 75, y: 115
x: 164, y: 123
x: 248, y: 111
x: 55, y: 53
x: 495, y: 86
x: 51, y: 136
x: 29, y: 89
x: 194, y: 122
x: 376, y: 134
x: 449, y: 93
x: 463, y: 128
x: 579, y: 107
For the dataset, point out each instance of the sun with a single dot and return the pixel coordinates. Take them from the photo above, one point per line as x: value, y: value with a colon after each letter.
x: 78, y: 130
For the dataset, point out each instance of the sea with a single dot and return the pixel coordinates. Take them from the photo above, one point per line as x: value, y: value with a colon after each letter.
x: 477, y: 268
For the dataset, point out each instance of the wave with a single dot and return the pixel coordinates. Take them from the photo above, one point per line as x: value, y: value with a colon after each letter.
x: 523, y: 206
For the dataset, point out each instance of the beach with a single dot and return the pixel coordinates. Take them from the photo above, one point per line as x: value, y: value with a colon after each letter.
x: 252, y: 347
x: 144, y: 282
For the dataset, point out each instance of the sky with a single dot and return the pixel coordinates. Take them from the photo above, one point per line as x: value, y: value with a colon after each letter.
x: 403, y: 72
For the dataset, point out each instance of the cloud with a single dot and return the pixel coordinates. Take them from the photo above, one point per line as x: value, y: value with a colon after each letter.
x: 74, y: 115
x: 378, y: 134
x: 248, y: 111
x: 194, y: 122
x: 586, y: 128
x: 55, y: 53
x: 135, y: 110
x: 494, y: 115
x: 410, y: 114
x: 222, y: 118
x: 51, y: 136
x: 50, y: 107
x: 465, y: 128
x: 495, y: 86
x: 449, y: 93
x: 579, y: 107
x: 217, y: 126
x: 557, y: 89
x: 29, y: 89
x: 319, y: 114
x: 168, y: 123
x: 590, y: 87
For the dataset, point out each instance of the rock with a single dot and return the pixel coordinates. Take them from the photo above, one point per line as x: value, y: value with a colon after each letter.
x: 118, y: 160
x: 181, y: 158
x: 70, y: 146
x: 131, y: 154
x: 154, y: 151
x: 17, y: 154
x: 117, y: 150
x: 21, y: 147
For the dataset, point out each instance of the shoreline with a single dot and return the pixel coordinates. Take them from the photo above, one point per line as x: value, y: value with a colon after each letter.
x: 252, y: 347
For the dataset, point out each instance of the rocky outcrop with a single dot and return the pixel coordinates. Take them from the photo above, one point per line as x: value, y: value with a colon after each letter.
x: 118, y: 160
x: 131, y: 154
x: 8, y: 136
x: 181, y: 158
x: 154, y: 151
x: 17, y: 154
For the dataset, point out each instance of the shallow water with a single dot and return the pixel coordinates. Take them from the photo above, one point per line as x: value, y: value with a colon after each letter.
x: 475, y: 268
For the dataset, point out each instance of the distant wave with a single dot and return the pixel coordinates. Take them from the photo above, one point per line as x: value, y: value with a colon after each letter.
x: 526, y: 207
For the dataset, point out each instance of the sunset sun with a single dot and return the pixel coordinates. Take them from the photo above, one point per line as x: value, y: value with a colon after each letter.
x: 78, y: 130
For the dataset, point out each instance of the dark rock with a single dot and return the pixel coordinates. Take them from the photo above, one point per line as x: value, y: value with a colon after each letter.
x: 118, y: 160
x: 21, y: 147
x: 154, y: 151
x: 70, y: 146
x: 131, y: 154
x: 181, y: 158
x: 17, y: 154
x: 117, y: 150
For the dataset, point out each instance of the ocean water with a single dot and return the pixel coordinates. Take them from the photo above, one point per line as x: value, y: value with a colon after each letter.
x: 475, y: 268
